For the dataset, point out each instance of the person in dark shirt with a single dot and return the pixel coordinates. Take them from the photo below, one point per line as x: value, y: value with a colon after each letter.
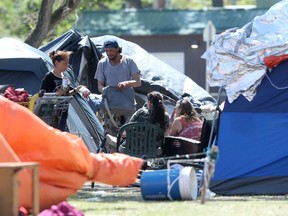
x: 57, y: 81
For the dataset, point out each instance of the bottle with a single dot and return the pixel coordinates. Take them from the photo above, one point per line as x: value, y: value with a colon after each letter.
x: 65, y: 82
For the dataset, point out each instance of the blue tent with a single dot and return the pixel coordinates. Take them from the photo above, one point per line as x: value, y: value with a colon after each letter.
x: 22, y: 66
x: 253, y: 141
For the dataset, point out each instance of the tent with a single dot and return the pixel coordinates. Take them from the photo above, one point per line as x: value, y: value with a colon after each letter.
x: 21, y: 65
x: 24, y: 67
x: 252, y: 138
x: 83, y: 122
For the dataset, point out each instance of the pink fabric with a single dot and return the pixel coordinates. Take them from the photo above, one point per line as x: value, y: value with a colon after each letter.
x: 191, y: 129
x: 62, y: 209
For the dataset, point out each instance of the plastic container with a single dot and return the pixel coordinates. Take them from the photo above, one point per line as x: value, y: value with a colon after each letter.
x: 169, y: 184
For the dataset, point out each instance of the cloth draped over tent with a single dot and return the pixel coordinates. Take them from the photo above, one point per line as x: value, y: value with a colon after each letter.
x: 235, y: 59
x: 65, y: 162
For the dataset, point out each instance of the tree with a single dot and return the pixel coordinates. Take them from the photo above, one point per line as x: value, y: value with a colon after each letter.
x: 38, y: 21
x: 48, y: 19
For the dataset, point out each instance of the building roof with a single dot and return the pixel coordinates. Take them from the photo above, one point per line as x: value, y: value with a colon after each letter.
x: 162, y: 22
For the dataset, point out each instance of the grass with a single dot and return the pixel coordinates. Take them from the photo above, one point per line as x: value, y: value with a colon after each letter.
x: 110, y: 201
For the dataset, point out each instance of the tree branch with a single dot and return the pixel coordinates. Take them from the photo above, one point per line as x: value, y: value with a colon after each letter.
x: 48, y: 20
x: 63, y: 11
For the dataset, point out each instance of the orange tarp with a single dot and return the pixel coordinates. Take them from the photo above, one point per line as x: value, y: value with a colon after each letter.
x: 65, y: 162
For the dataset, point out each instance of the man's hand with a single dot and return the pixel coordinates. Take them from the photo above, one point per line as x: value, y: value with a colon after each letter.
x: 85, y: 92
x: 122, y: 85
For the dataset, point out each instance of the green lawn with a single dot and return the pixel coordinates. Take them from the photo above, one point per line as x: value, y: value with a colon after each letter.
x: 108, y: 201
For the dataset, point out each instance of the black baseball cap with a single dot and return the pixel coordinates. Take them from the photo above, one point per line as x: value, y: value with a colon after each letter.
x: 111, y: 44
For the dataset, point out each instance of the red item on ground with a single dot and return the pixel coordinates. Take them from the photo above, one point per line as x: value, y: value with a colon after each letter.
x: 16, y: 95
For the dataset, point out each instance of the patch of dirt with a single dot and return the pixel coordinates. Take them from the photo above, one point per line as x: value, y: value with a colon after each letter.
x: 107, y: 193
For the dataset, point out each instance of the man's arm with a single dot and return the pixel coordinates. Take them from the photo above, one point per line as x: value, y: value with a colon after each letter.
x: 100, y: 86
x: 136, y: 79
x: 135, y: 82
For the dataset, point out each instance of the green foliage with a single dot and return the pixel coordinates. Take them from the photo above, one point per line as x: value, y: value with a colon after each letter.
x: 19, y: 17
x: 188, y: 4
x: 198, y: 4
x: 101, y: 5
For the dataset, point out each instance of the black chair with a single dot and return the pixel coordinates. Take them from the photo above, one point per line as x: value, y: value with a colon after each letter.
x: 180, y: 145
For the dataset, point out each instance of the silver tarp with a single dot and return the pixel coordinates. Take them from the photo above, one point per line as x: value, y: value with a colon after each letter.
x: 235, y: 58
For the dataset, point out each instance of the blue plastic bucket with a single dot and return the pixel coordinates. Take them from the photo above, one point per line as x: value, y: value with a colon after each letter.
x: 172, y: 184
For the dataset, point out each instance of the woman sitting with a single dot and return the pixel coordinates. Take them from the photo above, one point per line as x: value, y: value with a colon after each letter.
x: 154, y: 113
x: 186, y: 123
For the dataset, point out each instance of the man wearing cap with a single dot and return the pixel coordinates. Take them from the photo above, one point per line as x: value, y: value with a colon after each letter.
x: 117, y: 74
x: 117, y: 69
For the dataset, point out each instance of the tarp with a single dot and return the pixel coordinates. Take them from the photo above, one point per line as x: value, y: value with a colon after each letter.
x: 65, y: 162
x: 235, y: 59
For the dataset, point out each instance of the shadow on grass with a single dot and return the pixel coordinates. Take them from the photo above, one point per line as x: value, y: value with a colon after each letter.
x: 246, y: 198
x: 105, y: 193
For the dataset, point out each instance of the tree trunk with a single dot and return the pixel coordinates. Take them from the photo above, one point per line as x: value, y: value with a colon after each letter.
x: 42, y: 26
x: 217, y: 3
x: 48, y: 20
x: 135, y: 4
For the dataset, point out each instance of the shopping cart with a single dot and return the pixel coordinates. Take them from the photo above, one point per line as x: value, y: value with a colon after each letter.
x: 50, y: 108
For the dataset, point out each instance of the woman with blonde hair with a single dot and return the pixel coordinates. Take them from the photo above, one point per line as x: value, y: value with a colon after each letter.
x: 186, y: 123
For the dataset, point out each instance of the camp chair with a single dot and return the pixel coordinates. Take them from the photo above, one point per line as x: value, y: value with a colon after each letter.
x: 186, y: 145
x: 142, y: 139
